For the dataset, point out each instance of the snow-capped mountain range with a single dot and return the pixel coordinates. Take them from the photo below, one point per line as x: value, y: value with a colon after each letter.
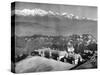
x: 40, y: 12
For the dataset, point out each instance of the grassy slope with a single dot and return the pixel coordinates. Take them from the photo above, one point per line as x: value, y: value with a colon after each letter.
x: 40, y: 64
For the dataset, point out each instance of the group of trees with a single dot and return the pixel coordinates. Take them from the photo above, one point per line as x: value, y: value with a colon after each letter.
x: 26, y: 45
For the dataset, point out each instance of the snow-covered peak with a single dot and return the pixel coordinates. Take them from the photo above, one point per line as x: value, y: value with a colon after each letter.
x: 32, y: 12
x: 41, y: 12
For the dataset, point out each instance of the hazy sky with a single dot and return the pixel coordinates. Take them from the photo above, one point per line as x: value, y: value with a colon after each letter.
x: 81, y: 11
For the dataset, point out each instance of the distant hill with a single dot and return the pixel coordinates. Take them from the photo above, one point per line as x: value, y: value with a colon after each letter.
x: 53, y: 25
